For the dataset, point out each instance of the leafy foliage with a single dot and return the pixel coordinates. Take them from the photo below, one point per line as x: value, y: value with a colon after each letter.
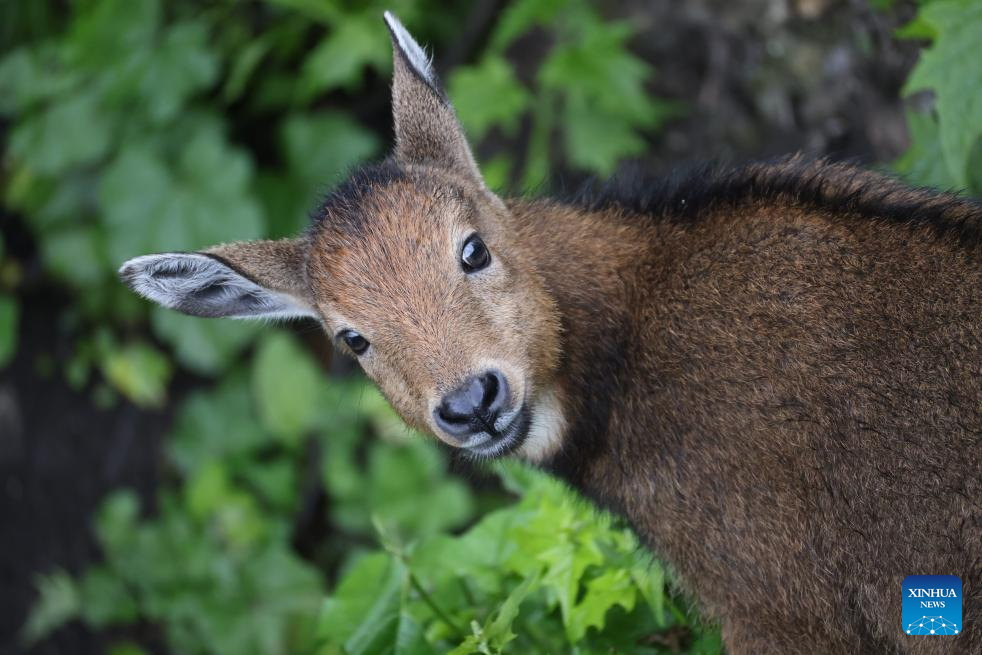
x: 544, y: 575
x: 589, y: 78
x: 215, y: 568
x: 139, y: 126
x: 947, y: 150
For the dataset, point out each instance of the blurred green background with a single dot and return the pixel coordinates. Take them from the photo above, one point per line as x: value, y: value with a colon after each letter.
x: 176, y: 485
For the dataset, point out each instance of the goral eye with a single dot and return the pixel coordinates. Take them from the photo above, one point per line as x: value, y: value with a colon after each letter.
x: 474, y: 255
x: 355, y: 341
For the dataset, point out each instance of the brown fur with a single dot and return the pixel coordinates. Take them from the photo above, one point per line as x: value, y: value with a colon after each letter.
x: 777, y: 395
x: 796, y: 391
x: 773, y: 372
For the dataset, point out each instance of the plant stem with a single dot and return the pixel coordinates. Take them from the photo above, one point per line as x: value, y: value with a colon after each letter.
x: 426, y: 598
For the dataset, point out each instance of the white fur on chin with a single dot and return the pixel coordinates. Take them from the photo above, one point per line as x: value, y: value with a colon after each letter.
x: 547, y: 430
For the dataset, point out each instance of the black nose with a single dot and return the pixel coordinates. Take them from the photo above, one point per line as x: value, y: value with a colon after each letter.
x: 473, y: 406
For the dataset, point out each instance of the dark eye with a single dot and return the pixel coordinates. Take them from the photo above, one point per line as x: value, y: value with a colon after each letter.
x: 474, y: 255
x: 355, y: 341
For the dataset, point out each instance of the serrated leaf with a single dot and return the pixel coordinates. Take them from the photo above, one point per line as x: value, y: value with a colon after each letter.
x: 478, y: 556
x: 605, y: 104
x: 610, y: 588
x: 596, y: 141
x: 951, y: 68
x: 519, y: 17
x: 354, y: 43
x: 486, y: 95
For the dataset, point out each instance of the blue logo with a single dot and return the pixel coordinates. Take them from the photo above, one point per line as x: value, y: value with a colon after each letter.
x: 932, y: 605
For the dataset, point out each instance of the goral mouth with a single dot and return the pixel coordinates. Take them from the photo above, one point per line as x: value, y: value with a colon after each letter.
x: 504, y: 441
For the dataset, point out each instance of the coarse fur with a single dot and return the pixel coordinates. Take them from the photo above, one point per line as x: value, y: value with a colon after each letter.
x: 772, y: 371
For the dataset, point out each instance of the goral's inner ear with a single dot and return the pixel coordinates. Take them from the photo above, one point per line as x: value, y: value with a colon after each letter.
x: 259, y: 279
x: 426, y: 128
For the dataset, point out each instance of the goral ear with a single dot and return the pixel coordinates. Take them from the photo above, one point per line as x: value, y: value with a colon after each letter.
x: 258, y: 279
x: 426, y: 128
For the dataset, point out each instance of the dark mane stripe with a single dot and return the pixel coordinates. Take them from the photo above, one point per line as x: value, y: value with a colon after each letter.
x: 834, y: 187
x: 343, y: 203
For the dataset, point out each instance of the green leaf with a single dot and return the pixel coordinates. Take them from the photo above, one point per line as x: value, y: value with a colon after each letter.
x: 408, y: 488
x: 486, y: 95
x: 317, y: 10
x: 606, y: 105
x: 216, y: 425
x: 75, y: 131
x: 496, y: 633
x: 286, y: 386
x: 127, y: 648
x: 280, y: 589
x: 478, y: 556
x: 106, y: 32
x: 650, y: 579
x: 594, y: 140
x: 519, y: 17
x: 276, y: 482
x: 57, y: 604
x: 150, y: 207
x: 353, y: 44
x: 321, y: 148
x: 363, y: 614
x: 29, y: 76
x: 9, y: 319
x: 951, y: 68
x: 207, y: 490
x: 924, y: 162
x: 244, y: 65
x: 116, y: 519
x: 205, y: 347
x: 410, y: 639
x: 975, y: 168
x: 181, y: 65
x: 105, y: 599
x: 610, y: 588
x: 140, y: 372
x: 75, y: 255
x: 499, y: 629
